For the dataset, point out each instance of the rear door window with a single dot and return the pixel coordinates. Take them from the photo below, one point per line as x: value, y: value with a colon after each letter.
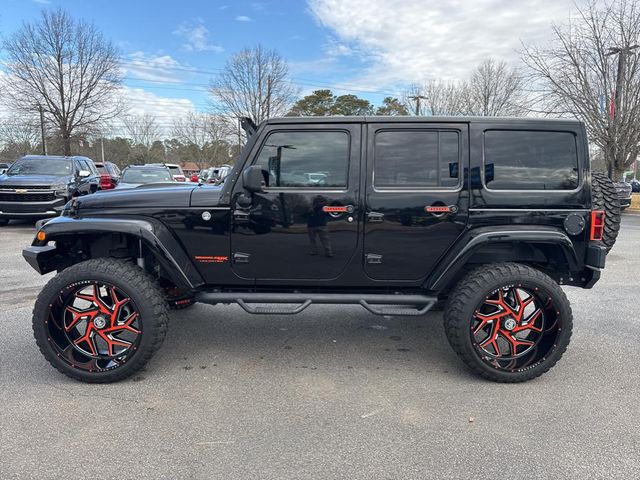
x: 416, y: 159
x: 530, y: 160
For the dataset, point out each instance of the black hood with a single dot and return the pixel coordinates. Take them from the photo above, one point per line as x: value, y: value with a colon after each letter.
x: 147, y: 196
x: 33, y: 180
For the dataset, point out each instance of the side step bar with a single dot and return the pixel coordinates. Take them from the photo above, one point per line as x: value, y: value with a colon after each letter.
x: 378, y: 304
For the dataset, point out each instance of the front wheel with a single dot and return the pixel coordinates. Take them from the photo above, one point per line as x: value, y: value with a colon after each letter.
x: 508, y: 322
x: 100, y: 320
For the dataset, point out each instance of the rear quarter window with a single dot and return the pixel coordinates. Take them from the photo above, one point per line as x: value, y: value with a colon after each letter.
x: 530, y: 160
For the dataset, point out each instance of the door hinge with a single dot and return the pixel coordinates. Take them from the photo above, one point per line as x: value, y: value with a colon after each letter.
x: 373, y: 258
x: 240, y: 257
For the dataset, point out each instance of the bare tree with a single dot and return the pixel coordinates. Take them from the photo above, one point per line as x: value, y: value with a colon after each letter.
x: 591, y: 70
x: 19, y: 130
x: 493, y: 90
x: 255, y: 83
x: 66, y: 68
x: 207, y: 135
x: 142, y: 129
x: 442, y: 98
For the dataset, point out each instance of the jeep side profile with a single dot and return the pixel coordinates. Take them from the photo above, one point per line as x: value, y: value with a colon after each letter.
x: 489, y: 215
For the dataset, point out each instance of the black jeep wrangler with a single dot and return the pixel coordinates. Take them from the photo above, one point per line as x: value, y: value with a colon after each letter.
x: 488, y: 215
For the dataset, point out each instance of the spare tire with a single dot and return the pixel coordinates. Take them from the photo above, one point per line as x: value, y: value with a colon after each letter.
x: 604, y: 197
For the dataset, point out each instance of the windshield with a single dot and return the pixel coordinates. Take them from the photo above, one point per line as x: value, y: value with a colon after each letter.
x: 41, y: 166
x: 146, y: 176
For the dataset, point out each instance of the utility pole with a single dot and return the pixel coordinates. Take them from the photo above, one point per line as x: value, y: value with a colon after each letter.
x: 102, y: 148
x: 268, y: 96
x: 417, y: 98
x: 44, y: 138
x: 622, y: 53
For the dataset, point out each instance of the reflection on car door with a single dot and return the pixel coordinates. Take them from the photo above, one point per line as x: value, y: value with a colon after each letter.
x: 304, y: 226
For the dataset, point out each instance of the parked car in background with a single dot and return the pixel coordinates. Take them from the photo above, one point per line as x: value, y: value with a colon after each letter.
x: 136, y: 175
x: 4, y: 167
x: 109, y: 174
x: 194, y: 178
x: 635, y: 185
x: 623, y: 190
x: 176, y: 170
x: 215, y: 175
x: 38, y: 186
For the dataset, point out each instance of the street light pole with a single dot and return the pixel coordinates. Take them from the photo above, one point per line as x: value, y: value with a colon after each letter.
x: 44, y: 138
x: 622, y: 53
x: 417, y: 98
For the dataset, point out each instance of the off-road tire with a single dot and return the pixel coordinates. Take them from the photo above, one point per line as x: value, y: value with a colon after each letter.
x: 474, y: 288
x: 138, y: 285
x: 604, y: 197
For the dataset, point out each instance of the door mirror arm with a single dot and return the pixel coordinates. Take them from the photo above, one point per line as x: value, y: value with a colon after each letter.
x: 244, y: 200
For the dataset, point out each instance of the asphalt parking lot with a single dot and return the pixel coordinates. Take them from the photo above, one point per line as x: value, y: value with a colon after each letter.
x: 332, y: 393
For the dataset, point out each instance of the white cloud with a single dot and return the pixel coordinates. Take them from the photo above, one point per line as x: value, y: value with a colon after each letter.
x: 139, y: 101
x: 42, y: 2
x: 154, y: 68
x: 196, y: 37
x: 243, y: 18
x: 404, y: 41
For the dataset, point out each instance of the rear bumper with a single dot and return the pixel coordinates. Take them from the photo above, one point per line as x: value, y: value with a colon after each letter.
x: 595, y: 261
x: 32, y: 209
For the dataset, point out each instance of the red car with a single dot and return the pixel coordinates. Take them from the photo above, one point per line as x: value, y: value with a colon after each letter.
x: 109, y: 175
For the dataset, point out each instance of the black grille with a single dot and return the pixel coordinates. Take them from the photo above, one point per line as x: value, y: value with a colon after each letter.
x: 26, y: 197
x: 30, y: 187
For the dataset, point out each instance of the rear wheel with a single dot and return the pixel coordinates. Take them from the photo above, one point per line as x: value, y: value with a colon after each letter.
x: 3, y: 222
x: 100, y: 320
x: 605, y: 197
x: 508, y: 322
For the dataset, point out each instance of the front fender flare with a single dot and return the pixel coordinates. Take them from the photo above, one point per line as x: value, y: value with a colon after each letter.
x: 154, y: 234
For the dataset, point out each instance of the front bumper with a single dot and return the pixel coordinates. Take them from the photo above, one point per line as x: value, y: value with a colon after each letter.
x: 32, y: 209
x: 625, y: 201
x: 39, y: 257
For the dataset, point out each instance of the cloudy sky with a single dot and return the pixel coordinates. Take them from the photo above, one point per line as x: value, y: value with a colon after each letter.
x: 372, y: 48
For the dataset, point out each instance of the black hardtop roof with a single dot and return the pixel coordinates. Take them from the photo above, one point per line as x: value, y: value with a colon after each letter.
x: 412, y: 119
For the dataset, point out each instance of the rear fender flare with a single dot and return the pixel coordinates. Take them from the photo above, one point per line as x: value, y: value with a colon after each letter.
x: 457, y: 257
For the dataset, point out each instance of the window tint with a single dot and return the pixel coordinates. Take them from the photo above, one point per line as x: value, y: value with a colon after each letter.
x: 305, y: 159
x: 529, y: 160
x: 416, y: 159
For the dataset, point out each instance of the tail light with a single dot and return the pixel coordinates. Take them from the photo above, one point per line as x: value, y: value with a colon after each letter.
x: 597, y: 224
x: 105, y: 182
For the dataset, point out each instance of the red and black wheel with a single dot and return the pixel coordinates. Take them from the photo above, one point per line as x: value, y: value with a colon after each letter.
x: 100, y: 320
x: 508, y: 322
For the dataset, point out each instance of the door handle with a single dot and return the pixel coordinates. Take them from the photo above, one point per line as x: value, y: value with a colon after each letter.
x: 337, y: 209
x: 375, y: 217
x: 440, y: 210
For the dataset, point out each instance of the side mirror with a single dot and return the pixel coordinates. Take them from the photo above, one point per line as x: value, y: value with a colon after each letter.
x: 84, y: 173
x: 253, y: 179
